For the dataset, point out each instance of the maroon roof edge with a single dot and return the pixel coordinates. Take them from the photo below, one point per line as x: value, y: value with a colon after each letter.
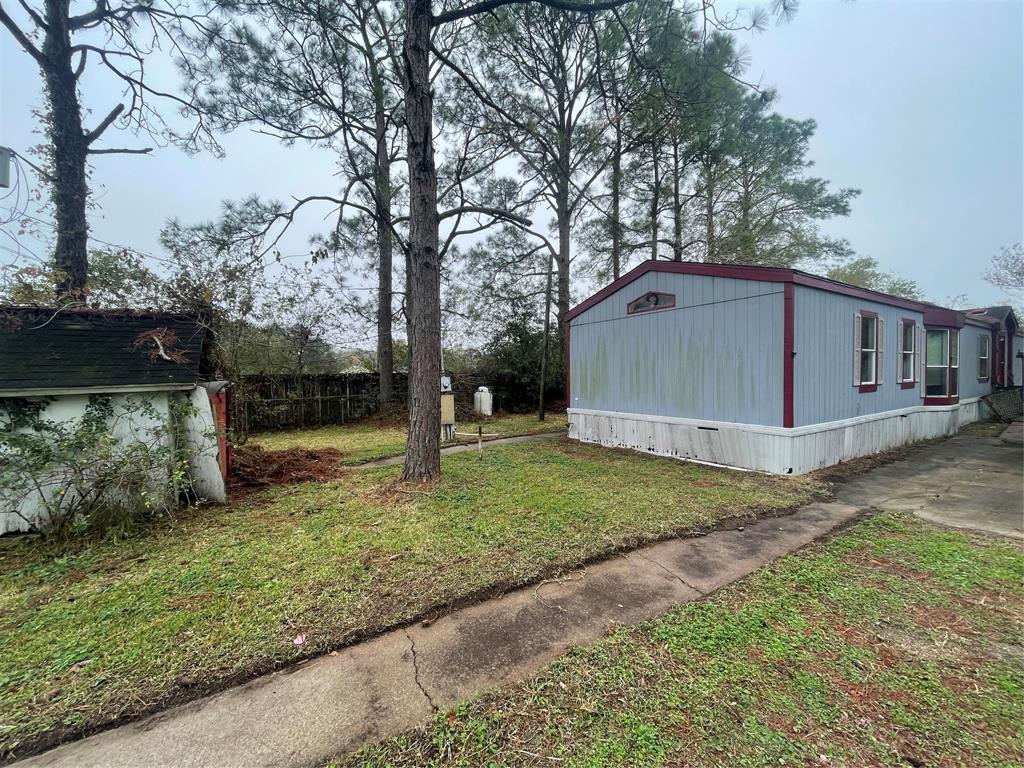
x: 772, y: 275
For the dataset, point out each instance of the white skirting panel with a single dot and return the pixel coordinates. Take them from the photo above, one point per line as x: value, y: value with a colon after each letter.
x: 771, y: 449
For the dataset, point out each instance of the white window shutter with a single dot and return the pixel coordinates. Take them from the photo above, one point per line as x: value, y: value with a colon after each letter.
x: 880, y: 345
x: 856, y: 350
x: 899, y: 352
x: 917, y: 354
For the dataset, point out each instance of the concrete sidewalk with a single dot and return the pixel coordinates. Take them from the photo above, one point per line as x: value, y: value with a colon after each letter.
x: 307, y: 714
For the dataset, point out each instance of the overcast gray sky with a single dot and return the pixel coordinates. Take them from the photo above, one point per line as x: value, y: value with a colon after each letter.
x: 919, y: 105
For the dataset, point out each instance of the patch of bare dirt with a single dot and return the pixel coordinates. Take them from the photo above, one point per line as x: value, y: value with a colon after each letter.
x: 943, y: 620
x: 860, y: 558
x: 255, y: 467
x: 919, y: 644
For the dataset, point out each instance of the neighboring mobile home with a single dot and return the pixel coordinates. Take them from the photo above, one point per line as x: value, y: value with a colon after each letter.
x: 775, y: 369
x: 57, y: 360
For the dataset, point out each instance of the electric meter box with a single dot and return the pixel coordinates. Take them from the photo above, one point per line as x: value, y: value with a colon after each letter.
x: 482, y: 401
x: 448, y: 410
x: 5, y: 168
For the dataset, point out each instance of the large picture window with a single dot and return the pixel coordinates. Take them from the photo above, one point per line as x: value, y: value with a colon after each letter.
x: 984, y: 357
x: 908, y: 353
x: 942, y: 363
x: 867, y: 353
x: 651, y: 301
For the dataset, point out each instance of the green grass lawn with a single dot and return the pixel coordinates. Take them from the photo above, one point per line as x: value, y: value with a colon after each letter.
x: 896, y: 643
x: 103, y: 629
x: 368, y: 440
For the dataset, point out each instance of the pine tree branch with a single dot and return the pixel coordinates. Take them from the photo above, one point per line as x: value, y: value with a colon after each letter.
x: 497, y: 213
x: 490, y: 5
x: 120, y: 151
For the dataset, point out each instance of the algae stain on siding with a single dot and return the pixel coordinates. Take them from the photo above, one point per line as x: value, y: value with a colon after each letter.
x: 715, y: 363
x: 739, y: 379
x: 599, y: 371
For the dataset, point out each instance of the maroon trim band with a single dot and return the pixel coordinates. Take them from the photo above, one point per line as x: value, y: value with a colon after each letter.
x: 953, y: 400
x: 568, y: 361
x: 788, y: 352
x: 770, y: 275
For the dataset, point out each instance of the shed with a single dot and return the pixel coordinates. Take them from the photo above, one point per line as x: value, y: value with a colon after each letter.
x: 773, y: 369
x: 59, y: 359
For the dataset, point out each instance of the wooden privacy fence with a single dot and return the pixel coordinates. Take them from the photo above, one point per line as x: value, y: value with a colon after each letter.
x: 264, y: 403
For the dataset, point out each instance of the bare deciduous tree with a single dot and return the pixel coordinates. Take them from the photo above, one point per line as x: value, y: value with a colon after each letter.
x: 118, y: 40
x: 1007, y: 270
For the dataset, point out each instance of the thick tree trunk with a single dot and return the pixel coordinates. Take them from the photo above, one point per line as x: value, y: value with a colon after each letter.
x: 408, y: 327
x: 616, y: 193
x: 563, y: 262
x: 382, y: 189
x: 563, y: 220
x: 423, y: 449
x: 68, y: 188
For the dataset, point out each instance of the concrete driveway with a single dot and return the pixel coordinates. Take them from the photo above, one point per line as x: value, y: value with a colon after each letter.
x: 972, y: 481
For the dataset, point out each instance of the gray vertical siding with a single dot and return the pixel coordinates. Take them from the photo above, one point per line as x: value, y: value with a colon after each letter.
x: 970, y: 345
x: 823, y: 367
x: 716, y: 356
x: 1018, y: 363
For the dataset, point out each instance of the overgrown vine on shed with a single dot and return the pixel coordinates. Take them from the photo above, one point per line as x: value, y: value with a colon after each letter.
x: 104, y: 472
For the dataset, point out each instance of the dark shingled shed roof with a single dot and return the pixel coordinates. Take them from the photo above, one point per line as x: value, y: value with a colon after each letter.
x: 75, y: 348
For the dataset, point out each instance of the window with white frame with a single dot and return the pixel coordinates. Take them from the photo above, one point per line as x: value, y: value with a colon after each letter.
x: 942, y: 363
x: 984, y: 357
x: 867, y: 353
x: 650, y: 301
x: 954, y: 363
x: 908, y: 352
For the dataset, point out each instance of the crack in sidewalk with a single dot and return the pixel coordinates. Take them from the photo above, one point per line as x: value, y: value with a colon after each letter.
x: 670, y: 572
x: 416, y: 671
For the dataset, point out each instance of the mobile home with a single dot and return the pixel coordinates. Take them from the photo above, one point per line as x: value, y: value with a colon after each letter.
x: 775, y: 369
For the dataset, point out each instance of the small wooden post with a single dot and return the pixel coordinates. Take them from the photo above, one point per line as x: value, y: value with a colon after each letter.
x: 480, y: 441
